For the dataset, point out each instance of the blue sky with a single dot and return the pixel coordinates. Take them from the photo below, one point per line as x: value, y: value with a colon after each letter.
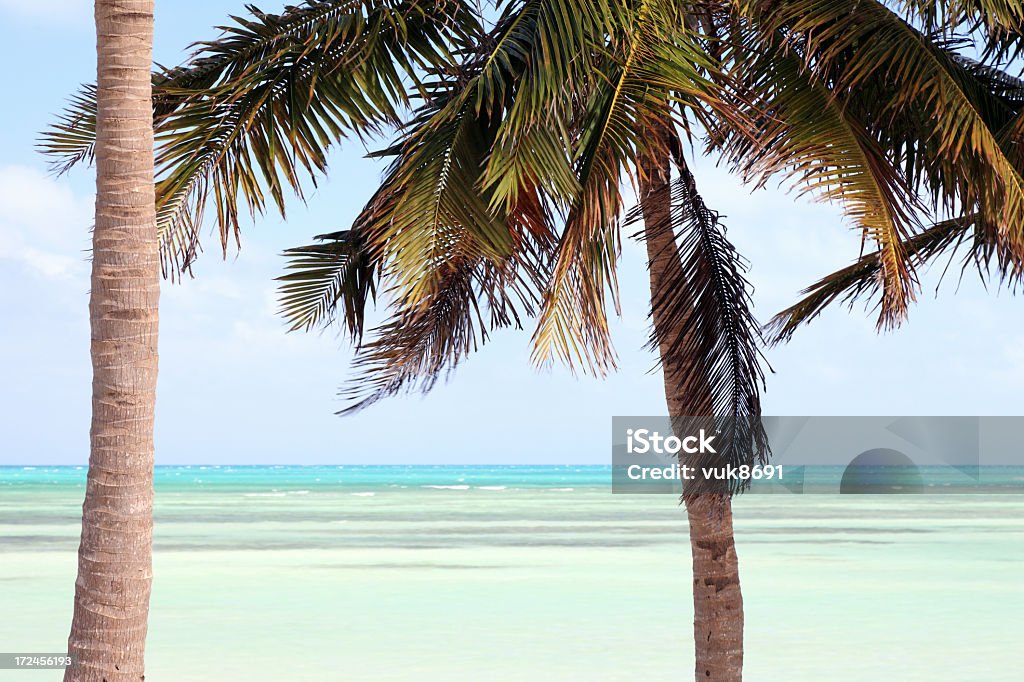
x: 234, y: 387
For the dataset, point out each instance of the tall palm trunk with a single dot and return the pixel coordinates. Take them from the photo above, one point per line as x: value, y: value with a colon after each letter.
x: 717, y: 601
x: 108, y: 630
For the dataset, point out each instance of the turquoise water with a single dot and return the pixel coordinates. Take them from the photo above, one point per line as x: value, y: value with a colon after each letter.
x: 506, y: 573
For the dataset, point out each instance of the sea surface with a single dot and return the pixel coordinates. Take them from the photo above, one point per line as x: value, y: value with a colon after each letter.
x: 522, y: 573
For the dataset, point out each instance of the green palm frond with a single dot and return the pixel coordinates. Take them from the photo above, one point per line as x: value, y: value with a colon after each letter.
x: 856, y: 47
x: 338, y: 272
x: 549, y: 44
x: 863, y: 277
x: 253, y: 114
x: 452, y: 265
x: 69, y: 141
x: 418, y: 344
x: 623, y: 105
x: 801, y: 130
x: 429, y: 210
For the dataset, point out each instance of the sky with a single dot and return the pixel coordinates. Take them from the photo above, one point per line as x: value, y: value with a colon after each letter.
x: 236, y: 388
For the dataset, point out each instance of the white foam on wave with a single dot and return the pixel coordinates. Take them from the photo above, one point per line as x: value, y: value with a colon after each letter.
x: 446, y: 487
x: 562, y: 490
x: 264, y: 494
x: 364, y: 494
x: 300, y: 492
x: 492, y: 487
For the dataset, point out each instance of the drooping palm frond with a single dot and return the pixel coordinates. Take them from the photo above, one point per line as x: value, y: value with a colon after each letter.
x: 434, y: 206
x: 802, y: 131
x: 417, y: 347
x: 942, y: 123
x: 471, y: 295
x: 429, y: 210
x: 454, y: 270
x: 71, y: 140
x: 453, y: 265
x: 863, y: 278
x: 253, y: 113
x: 624, y: 103
x: 868, y: 49
x: 336, y: 273
x: 704, y: 326
x: 418, y: 344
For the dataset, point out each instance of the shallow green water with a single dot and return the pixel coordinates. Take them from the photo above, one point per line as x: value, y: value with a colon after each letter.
x: 279, y: 576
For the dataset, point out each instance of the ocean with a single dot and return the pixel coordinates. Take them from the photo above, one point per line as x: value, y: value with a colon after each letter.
x: 521, y: 572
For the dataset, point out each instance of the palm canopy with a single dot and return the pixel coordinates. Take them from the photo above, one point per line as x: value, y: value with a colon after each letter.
x: 511, y: 137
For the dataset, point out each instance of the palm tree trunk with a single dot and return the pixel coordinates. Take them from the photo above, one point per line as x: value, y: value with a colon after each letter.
x: 717, y: 600
x: 108, y: 630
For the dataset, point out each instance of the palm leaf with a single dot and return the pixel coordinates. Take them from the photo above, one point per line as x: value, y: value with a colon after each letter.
x: 337, y: 272
x: 253, y: 113
x: 801, y: 130
x: 416, y: 347
x: 704, y: 328
x: 623, y: 104
x: 959, y: 154
x: 860, y: 279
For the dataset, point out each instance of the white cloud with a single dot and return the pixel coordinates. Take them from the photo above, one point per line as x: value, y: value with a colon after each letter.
x: 44, y: 225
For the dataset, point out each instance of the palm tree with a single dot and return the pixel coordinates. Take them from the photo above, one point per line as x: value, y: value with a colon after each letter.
x: 503, y: 198
x: 108, y: 631
x: 772, y: 99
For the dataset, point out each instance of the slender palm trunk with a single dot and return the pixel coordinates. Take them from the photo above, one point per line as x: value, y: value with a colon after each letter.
x: 108, y: 630
x: 717, y: 601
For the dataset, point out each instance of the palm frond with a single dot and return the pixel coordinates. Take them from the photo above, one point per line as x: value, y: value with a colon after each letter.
x: 800, y: 130
x: 429, y: 211
x: 622, y: 105
x: 71, y: 139
x: 869, y: 49
x: 417, y: 347
x: 864, y: 277
x: 253, y: 113
x: 338, y: 272
x: 998, y: 22
x: 550, y: 44
x: 453, y: 267
x: 703, y: 325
